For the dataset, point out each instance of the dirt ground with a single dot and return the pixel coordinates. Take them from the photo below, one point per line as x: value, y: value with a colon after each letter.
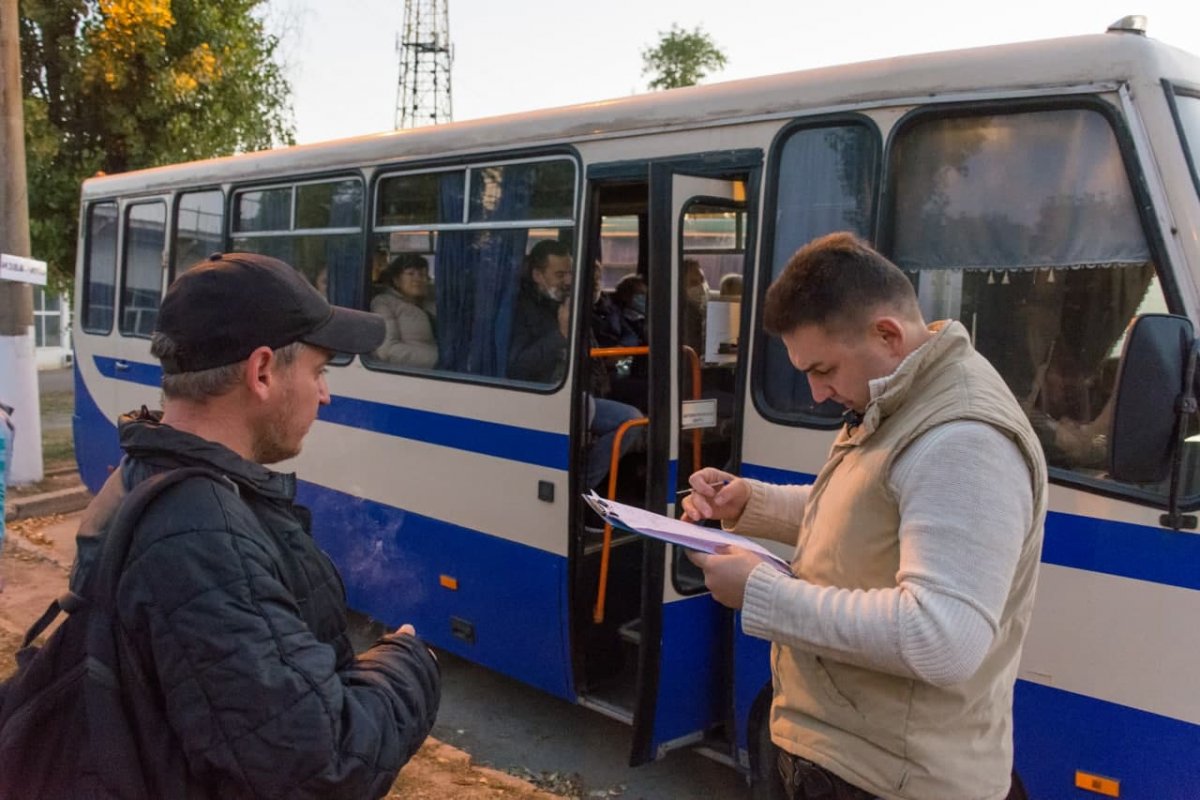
x: 33, y: 571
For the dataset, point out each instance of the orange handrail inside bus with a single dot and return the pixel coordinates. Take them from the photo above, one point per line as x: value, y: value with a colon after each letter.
x: 606, y: 550
x: 695, y: 361
x: 602, y: 589
x: 619, y: 352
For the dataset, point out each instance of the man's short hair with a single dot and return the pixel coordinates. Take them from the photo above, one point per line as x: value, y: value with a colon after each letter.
x: 541, y: 252
x: 627, y: 287
x: 836, y: 282
x: 206, y: 384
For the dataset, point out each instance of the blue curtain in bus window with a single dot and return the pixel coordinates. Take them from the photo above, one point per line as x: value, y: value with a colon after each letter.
x: 477, y: 281
x: 826, y: 184
x: 343, y: 254
x: 454, y: 281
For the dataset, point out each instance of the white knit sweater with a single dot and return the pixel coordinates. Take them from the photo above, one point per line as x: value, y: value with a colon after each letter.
x: 965, y: 503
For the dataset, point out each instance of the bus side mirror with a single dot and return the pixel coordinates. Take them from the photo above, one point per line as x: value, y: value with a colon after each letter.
x: 1150, y: 384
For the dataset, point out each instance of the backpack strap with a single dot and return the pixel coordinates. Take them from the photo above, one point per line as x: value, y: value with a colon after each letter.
x: 102, y: 584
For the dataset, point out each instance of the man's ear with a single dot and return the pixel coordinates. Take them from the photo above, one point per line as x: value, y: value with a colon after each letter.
x: 893, y: 333
x: 259, y: 376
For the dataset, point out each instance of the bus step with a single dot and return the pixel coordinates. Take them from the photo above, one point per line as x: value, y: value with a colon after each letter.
x: 631, y: 631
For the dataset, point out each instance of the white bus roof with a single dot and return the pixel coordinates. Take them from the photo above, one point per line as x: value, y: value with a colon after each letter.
x: 1075, y: 61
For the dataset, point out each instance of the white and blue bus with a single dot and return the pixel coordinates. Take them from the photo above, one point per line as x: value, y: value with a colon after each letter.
x: 1042, y: 193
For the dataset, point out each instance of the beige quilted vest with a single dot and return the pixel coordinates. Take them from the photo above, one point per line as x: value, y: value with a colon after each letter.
x: 901, y: 738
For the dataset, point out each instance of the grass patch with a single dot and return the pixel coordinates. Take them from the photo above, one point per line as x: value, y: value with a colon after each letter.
x: 57, y: 403
x: 58, y: 448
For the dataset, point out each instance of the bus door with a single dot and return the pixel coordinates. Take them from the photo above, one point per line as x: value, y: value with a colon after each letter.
x: 140, y: 284
x: 700, y: 230
x: 123, y: 285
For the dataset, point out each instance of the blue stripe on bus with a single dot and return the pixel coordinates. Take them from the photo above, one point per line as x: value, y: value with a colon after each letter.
x: 513, y: 597
x: 1141, y: 552
x: 527, y: 445
x: 132, y: 371
x: 96, y: 445
x: 1154, y: 757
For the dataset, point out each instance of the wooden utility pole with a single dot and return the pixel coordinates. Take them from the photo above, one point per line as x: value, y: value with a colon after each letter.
x: 18, y: 366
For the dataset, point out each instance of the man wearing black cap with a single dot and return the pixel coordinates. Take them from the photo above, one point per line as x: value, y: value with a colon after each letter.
x: 242, y: 680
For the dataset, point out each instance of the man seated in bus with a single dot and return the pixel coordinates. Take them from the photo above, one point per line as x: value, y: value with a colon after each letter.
x: 896, y: 639
x: 408, y: 313
x: 242, y: 673
x: 538, y: 351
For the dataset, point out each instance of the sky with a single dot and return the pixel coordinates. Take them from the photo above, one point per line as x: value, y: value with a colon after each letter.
x: 519, y: 55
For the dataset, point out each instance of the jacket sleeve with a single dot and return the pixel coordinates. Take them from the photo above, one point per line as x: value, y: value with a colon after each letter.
x: 257, y: 701
x: 395, y: 350
x: 535, y: 358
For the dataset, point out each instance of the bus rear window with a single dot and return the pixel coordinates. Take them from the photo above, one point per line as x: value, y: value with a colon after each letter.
x: 1187, y: 109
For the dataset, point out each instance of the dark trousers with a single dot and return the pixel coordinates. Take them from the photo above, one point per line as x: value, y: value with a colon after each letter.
x: 804, y: 780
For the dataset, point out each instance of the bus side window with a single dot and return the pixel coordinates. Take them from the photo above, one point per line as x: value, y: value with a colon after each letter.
x: 1023, y: 226
x: 199, y: 226
x: 142, y: 276
x: 449, y: 263
x: 314, y: 226
x: 100, y: 278
x: 827, y: 182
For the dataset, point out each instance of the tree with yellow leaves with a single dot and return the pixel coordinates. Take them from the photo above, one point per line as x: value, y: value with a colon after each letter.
x: 116, y: 85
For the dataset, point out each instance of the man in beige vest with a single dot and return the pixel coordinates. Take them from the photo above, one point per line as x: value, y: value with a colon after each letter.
x: 896, y: 640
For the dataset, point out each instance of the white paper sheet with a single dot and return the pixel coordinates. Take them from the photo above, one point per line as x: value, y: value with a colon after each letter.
x: 677, y: 531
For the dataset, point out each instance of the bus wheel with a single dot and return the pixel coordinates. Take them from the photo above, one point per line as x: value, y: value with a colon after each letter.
x: 765, y: 781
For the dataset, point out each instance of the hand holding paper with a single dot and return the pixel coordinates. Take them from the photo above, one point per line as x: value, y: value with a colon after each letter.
x: 684, y: 534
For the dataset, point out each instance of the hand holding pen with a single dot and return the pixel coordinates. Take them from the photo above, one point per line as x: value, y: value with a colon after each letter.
x: 715, y: 494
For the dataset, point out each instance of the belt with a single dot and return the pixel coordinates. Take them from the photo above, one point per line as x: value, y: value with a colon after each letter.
x: 804, y: 780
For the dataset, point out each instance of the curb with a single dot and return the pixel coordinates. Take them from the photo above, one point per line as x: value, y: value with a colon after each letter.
x: 60, y: 501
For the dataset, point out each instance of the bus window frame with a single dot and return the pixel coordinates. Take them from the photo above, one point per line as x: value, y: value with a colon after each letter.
x: 122, y: 277
x: 85, y: 298
x: 766, y: 260
x: 179, y: 194
x: 1139, y: 188
x: 746, y: 227
x: 466, y: 163
x: 292, y: 230
x: 1174, y: 89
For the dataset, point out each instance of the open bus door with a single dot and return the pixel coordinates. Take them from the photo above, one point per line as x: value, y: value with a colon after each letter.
x: 684, y: 678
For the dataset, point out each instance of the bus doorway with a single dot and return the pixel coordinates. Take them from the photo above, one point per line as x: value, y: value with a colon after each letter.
x: 651, y: 646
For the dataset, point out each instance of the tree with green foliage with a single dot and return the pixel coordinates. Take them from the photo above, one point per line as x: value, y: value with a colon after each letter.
x: 118, y: 85
x: 681, y: 58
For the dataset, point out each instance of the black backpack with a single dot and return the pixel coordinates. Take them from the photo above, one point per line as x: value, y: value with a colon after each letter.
x: 65, y: 728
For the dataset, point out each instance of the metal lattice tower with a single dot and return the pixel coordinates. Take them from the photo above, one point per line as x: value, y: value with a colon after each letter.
x: 423, y: 94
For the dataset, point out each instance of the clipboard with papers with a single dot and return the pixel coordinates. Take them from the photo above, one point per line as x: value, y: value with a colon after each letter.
x: 677, y: 531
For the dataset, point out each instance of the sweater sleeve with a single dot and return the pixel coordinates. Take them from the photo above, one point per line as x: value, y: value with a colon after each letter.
x: 772, y: 512
x: 258, y: 703
x: 965, y: 505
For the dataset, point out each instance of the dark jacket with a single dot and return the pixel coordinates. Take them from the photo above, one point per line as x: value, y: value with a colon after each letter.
x: 239, y: 672
x: 537, y: 351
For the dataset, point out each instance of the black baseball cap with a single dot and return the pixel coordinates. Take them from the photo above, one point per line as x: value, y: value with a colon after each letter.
x: 223, y: 309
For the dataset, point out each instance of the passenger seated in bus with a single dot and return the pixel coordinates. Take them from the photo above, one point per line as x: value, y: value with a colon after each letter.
x: 630, y: 378
x: 630, y: 298
x: 408, y: 313
x: 538, y: 351
x: 731, y: 287
x: 609, y: 324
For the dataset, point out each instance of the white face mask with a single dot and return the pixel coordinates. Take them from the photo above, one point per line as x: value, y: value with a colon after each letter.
x: 697, y: 295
